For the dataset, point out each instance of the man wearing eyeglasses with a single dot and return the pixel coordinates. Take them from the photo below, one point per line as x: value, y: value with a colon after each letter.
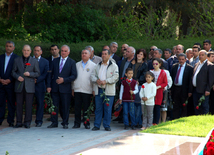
x: 152, y: 48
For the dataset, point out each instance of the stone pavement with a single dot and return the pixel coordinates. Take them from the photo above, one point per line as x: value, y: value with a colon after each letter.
x: 59, y: 141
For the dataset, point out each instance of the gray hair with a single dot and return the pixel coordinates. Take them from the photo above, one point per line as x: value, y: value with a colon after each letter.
x: 86, y: 50
x: 189, y: 49
x: 203, y: 51
x: 26, y: 45
x: 182, y: 55
x: 10, y: 42
x: 181, y: 46
x: 66, y: 46
x: 133, y: 49
x: 91, y: 48
x: 159, y: 50
x: 113, y: 43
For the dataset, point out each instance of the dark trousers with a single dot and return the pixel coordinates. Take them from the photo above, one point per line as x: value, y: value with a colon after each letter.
x: 64, y: 99
x: 211, y: 102
x: 178, y: 109
x: 40, y: 96
x: 9, y: 95
x: 20, y: 98
x: 82, y: 100
x: 156, y: 114
x: 204, y: 108
x: 190, y: 107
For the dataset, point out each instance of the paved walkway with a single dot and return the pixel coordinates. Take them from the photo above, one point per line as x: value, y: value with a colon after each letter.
x: 59, y: 141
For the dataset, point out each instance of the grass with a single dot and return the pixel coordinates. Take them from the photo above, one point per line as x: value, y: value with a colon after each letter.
x: 196, y: 126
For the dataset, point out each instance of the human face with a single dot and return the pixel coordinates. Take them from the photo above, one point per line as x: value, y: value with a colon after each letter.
x: 26, y: 51
x: 124, y: 54
x: 140, y: 56
x: 179, y: 49
x: 202, y: 56
x: 167, y: 54
x: 181, y: 60
x: 156, y: 65
x: 195, y: 52
x: 85, y: 55
x: 156, y: 54
x: 9, y: 48
x: 174, y: 50
x: 37, y: 51
x: 106, y: 48
x: 207, y: 46
x: 190, y: 54
x: 129, y: 74
x: 113, y: 48
x: 105, y: 56
x: 64, y: 52
x: 55, y: 51
x: 124, y: 47
x: 149, y: 78
x: 129, y: 53
x: 211, y: 58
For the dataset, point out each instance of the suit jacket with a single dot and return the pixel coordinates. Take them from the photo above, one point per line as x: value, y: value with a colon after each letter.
x: 165, y: 64
x: 7, y: 74
x: 18, y: 70
x: 50, y: 61
x: 116, y: 58
x: 205, y: 77
x: 186, y: 81
x: 44, y: 68
x: 68, y: 73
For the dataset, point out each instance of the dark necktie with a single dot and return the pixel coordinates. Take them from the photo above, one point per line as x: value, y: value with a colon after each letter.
x: 177, y: 75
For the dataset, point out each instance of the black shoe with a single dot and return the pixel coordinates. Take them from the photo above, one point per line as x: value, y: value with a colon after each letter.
x: 138, y: 126
x: 65, y: 126
x: 95, y: 128
x: 52, y: 126
x: 11, y: 125
x: 38, y: 125
x: 1, y: 123
x: 117, y: 119
x: 27, y: 126
x: 126, y: 127
x: 87, y: 126
x: 76, y: 126
x: 18, y: 125
x: 108, y: 129
x: 133, y: 128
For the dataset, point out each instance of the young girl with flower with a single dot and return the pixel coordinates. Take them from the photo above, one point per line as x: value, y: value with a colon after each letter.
x: 147, y: 94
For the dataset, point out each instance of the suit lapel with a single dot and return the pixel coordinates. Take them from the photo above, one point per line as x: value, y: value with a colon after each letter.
x: 3, y: 62
x: 66, y: 62
x: 196, y: 66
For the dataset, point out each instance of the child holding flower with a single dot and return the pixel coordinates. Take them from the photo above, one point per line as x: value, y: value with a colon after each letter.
x: 147, y: 94
x: 128, y: 90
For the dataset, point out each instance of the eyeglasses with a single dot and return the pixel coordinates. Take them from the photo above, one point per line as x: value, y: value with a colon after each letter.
x: 155, y: 63
x: 152, y: 49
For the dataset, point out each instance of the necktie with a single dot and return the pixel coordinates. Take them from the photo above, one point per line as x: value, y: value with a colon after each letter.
x: 177, y: 75
x: 61, y: 65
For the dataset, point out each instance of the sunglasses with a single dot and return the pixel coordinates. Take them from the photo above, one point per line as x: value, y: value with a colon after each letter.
x: 152, y: 49
x: 155, y: 63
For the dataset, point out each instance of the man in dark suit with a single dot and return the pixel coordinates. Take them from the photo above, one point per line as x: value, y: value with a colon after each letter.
x: 7, y: 84
x: 25, y: 70
x: 202, y: 82
x: 40, y: 84
x: 113, y: 50
x: 63, y: 72
x: 181, y: 75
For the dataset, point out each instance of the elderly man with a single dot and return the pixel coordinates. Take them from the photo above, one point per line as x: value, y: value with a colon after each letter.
x: 152, y: 48
x: 7, y: 84
x: 207, y: 45
x: 189, y: 54
x: 105, y: 75
x: 113, y: 50
x: 157, y: 54
x: 63, y: 72
x: 40, y: 84
x: 123, y: 49
x: 167, y: 53
x: 25, y: 70
x: 181, y: 76
x: 94, y: 58
x: 195, y: 58
x: 83, y: 88
x: 202, y: 82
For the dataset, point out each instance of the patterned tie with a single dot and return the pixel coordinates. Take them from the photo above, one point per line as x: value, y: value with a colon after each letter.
x: 61, y: 66
x: 177, y: 75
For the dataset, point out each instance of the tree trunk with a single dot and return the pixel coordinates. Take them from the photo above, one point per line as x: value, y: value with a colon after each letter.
x: 11, y: 8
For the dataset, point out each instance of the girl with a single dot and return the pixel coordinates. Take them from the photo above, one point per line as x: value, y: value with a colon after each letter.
x: 161, y: 82
x: 147, y: 94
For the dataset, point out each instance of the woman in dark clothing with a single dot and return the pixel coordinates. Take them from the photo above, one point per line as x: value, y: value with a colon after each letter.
x: 140, y: 68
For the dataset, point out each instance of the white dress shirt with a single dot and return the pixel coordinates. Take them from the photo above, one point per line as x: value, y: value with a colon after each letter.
x: 197, y: 71
x: 102, y: 73
x: 7, y: 59
x: 63, y: 61
x: 180, y: 78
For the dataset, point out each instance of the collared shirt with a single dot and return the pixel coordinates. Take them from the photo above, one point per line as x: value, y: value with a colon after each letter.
x: 84, y: 64
x: 197, y: 71
x: 102, y: 73
x: 93, y: 58
x: 112, y: 55
x: 63, y: 61
x: 194, y: 61
x: 7, y: 59
x: 180, y: 78
x: 37, y: 58
x: 54, y: 58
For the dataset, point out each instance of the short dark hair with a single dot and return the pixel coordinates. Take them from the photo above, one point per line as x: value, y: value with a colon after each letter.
x: 182, y: 55
x: 197, y: 48
x: 197, y: 44
x: 151, y: 74
x: 128, y: 69
x: 54, y: 46
x: 144, y: 54
x: 207, y: 41
x: 167, y: 49
x: 38, y: 46
x: 10, y: 42
x: 107, y: 51
x: 210, y: 53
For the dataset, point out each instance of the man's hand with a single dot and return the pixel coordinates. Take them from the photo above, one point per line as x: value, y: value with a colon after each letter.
x: 207, y: 93
x: 131, y: 92
x: 144, y: 99
x: 35, y: 80
x: 48, y: 90
x: 189, y: 94
x: 5, y: 82
x: 93, y: 93
x: 21, y: 79
x: 103, y: 82
x: 120, y: 101
x: 26, y: 74
x: 60, y: 80
x: 99, y: 82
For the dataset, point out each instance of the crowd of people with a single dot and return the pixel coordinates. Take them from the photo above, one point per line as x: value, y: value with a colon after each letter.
x: 149, y: 89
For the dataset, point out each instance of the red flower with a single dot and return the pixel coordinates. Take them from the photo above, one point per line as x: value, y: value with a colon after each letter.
x: 87, y: 120
x: 53, y: 113
x: 45, y: 105
x: 121, y: 78
x: 27, y: 64
x: 197, y: 107
x: 210, y: 144
x: 210, y: 151
x: 107, y: 104
x: 142, y: 86
x: 184, y: 104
